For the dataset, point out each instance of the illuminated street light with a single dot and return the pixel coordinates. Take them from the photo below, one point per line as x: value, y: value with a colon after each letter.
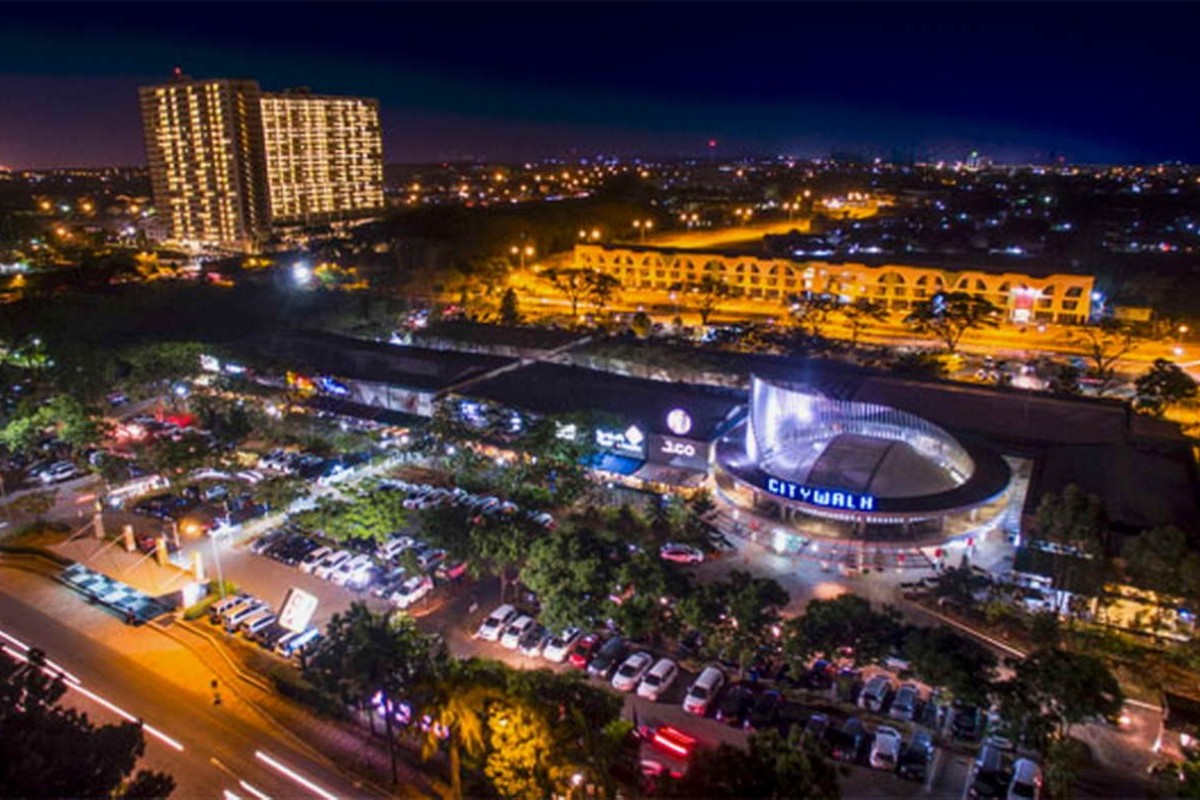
x: 642, y: 226
x: 522, y: 252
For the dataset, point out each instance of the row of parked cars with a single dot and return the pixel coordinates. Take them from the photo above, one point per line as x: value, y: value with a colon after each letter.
x: 379, y: 570
x: 420, y: 496
x: 254, y: 619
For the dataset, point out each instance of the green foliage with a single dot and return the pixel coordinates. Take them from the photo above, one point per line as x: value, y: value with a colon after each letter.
x: 510, y: 313
x: 955, y: 314
x: 1105, y: 343
x: 641, y: 325
x: 860, y: 315
x: 740, y: 615
x: 54, y: 751
x: 941, y: 657
x: 174, y: 457
x: 1051, y: 690
x: 846, y: 621
x: 1074, y: 519
x: 376, y: 515
x: 569, y: 572
x: 771, y: 767
x: 1044, y: 630
x: 162, y: 362
x: 1163, y: 386
x: 279, y: 492
x: 66, y: 418
x: 230, y: 421
x: 1164, y: 560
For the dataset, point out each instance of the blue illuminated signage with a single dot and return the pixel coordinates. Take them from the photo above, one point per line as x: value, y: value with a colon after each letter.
x: 333, y: 386
x: 825, y: 498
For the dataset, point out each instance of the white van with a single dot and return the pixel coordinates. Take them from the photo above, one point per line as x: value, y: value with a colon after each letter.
x: 291, y: 644
x: 242, y: 613
x: 257, y: 622
x: 138, y: 487
x: 703, y: 691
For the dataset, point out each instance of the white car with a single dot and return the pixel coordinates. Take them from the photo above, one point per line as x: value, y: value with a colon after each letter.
x: 1026, y: 781
x: 412, y: 590
x: 313, y: 559
x: 703, y: 691
x: 630, y: 673
x: 394, y: 547
x: 513, y: 633
x: 349, y: 569
x: 58, y: 471
x: 885, y: 751
x: 557, y: 649
x: 492, y: 627
x: 330, y: 563
x: 658, y: 679
x: 875, y: 693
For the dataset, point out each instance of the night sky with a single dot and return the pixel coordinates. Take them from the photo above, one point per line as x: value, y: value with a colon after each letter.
x: 1092, y: 82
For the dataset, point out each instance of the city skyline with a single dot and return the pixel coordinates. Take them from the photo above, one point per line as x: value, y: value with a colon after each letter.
x: 1018, y: 83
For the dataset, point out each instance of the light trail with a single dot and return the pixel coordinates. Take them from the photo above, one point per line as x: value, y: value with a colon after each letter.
x: 295, y: 776
x: 113, y: 707
x: 257, y: 793
x: 26, y: 648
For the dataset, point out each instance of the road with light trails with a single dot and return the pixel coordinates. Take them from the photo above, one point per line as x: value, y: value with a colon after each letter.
x: 213, y: 751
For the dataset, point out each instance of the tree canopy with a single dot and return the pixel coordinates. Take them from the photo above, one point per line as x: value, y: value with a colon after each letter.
x: 54, y: 751
x: 846, y: 621
x: 948, y: 316
x: 771, y: 766
x: 1163, y: 386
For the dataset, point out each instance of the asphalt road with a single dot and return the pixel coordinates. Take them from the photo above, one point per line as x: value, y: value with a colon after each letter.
x: 224, y: 747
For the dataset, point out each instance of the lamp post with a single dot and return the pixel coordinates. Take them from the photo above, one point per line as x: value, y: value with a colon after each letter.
x: 522, y: 252
x: 643, y: 226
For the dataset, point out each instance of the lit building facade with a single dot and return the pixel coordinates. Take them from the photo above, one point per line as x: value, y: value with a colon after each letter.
x: 204, y: 148
x: 1057, y: 298
x: 228, y: 161
x: 324, y: 157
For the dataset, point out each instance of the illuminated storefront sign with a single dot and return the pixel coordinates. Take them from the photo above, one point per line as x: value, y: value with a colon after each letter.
x: 628, y: 441
x: 825, y: 498
x: 679, y: 422
x: 675, y: 452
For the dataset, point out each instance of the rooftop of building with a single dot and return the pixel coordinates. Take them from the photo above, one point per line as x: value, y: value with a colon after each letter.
x: 497, y: 336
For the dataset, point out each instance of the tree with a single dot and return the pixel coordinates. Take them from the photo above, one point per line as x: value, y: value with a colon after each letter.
x: 573, y: 283
x: 54, y: 751
x: 458, y: 705
x: 510, y: 313
x: 602, y: 287
x: 1104, y: 344
x: 163, y: 361
x: 1164, y: 560
x: 846, y: 621
x: 771, y: 767
x: 861, y: 314
x: 641, y: 325
x: 569, y: 570
x: 1064, y: 379
x: 375, y: 515
x: 1161, y: 387
x: 941, y: 657
x: 918, y: 364
x: 1073, y: 519
x: 500, y: 543
x: 948, y: 316
x: 66, y: 418
x: 711, y: 293
x: 1052, y: 690
x: 811, y: 312
x: 376, y: 661
x: 740, y: 615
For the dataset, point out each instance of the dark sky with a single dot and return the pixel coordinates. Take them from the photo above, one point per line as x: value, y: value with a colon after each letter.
x: 1094, y: 82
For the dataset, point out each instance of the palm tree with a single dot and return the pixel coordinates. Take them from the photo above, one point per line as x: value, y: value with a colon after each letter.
x: 460, y: 704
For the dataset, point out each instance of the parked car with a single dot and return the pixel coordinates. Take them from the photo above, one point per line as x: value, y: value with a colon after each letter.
x: 559, y: 647
x: 315, y: 557
x: 735, y: 705
x: 816, y: 726
x: 583, y: 650
x: 681, y: 553
x: 904, y: 707
x: 515, y: 630
x: 967, y: 722
x: 533, y: 641
x: 254, y: 624
x: 875, y: 694
x: 349, y: 569
x: 989, y: 778
x: 631, y: 671
x: 491, y: 628
x: 764, y: 711
x: 658, y: 680
x: 330, y: 563
x: 703, y: 691
x: 607, y: 658
x: 916, y: 757
x: 1026, y: 781
x: 57, y: 472
x: 412, y: 590
x: 885, y: 750
x: 848, y: 741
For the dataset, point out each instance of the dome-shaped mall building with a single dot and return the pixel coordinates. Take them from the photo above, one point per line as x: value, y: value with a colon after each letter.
x: 867, y: 470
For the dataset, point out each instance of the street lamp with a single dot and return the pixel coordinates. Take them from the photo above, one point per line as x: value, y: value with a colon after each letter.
x: 642, y: 226
x: 522, y: 252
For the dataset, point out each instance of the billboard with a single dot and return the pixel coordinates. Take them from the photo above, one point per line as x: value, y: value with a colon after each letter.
x: 298, y: 609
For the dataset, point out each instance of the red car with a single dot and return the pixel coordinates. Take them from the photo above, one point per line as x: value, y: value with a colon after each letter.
x: 583, y: 651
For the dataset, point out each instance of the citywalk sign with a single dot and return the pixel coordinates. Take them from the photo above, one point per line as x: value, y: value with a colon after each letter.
x: 823, y: 498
